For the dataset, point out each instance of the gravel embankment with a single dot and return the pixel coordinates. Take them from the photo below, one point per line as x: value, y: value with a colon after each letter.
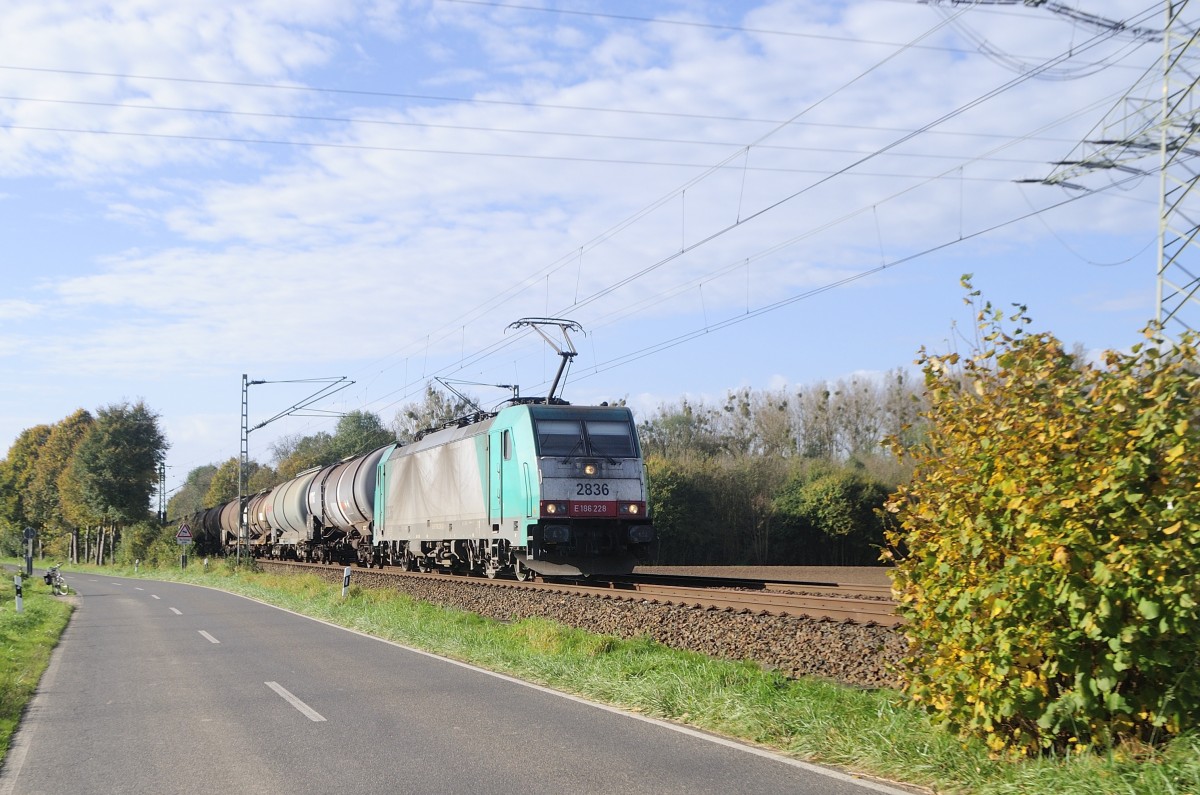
x: 853, y: 654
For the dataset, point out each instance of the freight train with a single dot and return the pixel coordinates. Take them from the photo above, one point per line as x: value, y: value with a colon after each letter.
x: 538, y: 486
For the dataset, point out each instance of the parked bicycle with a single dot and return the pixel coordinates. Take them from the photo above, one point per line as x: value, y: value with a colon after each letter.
x: 54, y: 578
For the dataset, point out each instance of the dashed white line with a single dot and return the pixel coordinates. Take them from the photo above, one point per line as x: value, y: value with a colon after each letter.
x: 176, y: 612
x: 305, y: 709
x: 153, y: 596
x: 138, y: 589
x: 208, y: 637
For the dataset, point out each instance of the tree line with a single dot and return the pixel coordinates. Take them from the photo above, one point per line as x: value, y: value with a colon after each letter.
x: 83, y: 484
x: 775, y: 477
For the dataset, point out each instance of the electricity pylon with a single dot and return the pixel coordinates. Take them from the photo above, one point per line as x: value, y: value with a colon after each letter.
x: 1135, y: 131
x: 1157, y: 118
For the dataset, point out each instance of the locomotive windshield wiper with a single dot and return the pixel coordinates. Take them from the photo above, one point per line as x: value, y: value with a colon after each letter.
x: 573, y: 450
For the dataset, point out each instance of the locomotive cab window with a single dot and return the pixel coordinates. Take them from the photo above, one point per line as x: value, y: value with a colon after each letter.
x: 506, y: 445
x: 610, y: 439
x: 598, y: 438
x: 560, y: 437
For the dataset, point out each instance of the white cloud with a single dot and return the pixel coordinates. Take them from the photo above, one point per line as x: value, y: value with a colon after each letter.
x: 11, y: 310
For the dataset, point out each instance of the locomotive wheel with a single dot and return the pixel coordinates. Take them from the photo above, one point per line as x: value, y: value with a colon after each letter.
x: 520, y: 572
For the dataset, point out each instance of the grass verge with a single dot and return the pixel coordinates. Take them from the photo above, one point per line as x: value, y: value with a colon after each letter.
x: 26, y: 640
x: 871, y: 732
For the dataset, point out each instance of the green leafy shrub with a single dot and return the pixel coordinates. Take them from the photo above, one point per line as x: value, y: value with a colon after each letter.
x: 1052, y: 537
x: 830, y: 515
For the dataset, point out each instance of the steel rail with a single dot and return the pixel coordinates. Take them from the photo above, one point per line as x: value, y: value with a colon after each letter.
x: 827, y: 606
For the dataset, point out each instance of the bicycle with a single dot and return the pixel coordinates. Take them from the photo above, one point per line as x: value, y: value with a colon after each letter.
x: 54, y: 578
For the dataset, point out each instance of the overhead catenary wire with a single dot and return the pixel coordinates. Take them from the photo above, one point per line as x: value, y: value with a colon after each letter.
x: 462, y: 128
x: 496, y: 346
x: 447, y: 152
x: 774, y: 306
x: 750, y: 217
x: 662, y: 200
x: 713, y: 26
x: 999, y: 89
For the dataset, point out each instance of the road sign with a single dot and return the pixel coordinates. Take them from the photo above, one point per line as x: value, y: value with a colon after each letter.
x: 29, y: 533
x: 184, y: 536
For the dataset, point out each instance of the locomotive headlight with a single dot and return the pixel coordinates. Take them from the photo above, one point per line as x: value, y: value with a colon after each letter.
x: 589, y: 469
x: 631, y: 509
x: 554, y: 508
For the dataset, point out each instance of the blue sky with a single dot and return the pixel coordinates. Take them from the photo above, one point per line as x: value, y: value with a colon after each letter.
x: 192, y: 191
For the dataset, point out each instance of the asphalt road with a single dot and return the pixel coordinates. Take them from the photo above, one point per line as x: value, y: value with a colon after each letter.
x: 169, y: 688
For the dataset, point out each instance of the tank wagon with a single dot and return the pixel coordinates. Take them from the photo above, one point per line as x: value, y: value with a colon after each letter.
x: 551, y: 488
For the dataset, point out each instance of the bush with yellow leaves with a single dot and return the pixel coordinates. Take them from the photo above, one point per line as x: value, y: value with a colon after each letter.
x: 1049, y: 544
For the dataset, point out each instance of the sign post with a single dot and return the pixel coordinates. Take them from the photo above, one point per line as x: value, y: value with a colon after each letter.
x: 345, y: 582
x: 183, y: 538
x: 17, y: 582
x: 29, y: 536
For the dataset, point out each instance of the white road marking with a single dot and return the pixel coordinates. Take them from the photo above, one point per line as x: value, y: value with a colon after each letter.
x: 153, y: 596
x: 208, y: 637
x: 176, y: 612
x: 138, y: 589
x: 305, y: 709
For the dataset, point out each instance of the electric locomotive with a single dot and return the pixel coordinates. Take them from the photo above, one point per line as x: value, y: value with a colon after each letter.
x: 545, y: 487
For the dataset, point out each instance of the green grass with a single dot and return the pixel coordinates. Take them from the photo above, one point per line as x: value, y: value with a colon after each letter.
x: 872, y: 732
x: 26, y: 640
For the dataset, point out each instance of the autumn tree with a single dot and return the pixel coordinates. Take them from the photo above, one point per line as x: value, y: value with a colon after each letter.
x: 189, y: 498
x: 54, y: 458
x: 294, y: 454
x: 682, y: 430
x: 432, y: 410
x: 830, y: 513
x: 16, y: 473
x: 223, y: 486
x: 360, y: 432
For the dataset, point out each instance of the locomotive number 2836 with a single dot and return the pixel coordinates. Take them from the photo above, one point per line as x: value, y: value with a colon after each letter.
x: 591, y: 489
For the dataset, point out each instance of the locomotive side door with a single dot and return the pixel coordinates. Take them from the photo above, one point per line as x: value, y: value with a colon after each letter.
x: 496, y: 450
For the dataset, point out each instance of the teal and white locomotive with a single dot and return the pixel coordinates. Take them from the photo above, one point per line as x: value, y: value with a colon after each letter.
x: 548, y: 487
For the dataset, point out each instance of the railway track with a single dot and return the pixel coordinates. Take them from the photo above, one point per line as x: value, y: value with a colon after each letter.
x: 860, y: 604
